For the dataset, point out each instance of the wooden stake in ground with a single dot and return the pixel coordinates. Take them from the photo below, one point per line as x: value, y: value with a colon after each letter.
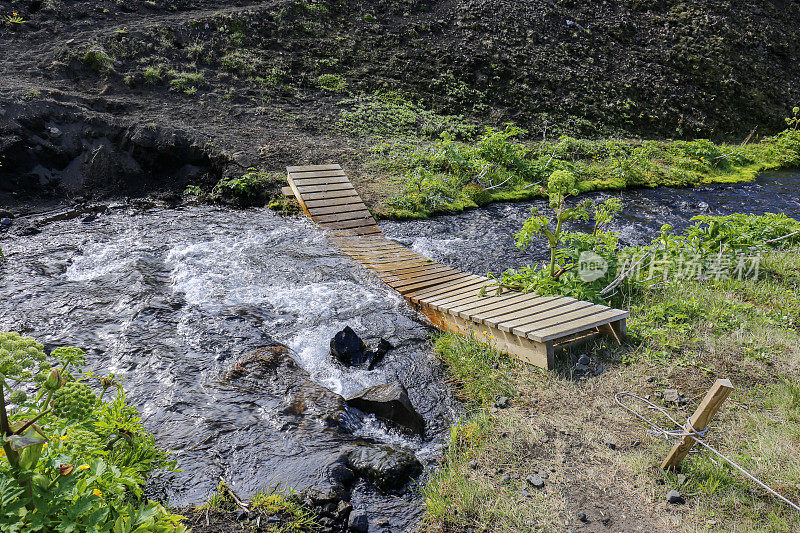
x: 699, y: 421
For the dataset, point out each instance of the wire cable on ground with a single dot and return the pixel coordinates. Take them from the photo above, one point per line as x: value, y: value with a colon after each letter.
x: 689, y: 431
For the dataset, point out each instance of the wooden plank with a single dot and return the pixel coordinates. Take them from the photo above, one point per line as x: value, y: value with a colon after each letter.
x: 390, y: 267
x: 713, y: 400
x: 329, y: 202
x: 371, y: 230
x: 421, y: 276
x: 383, y: 257
x: 420, y: 297
x: 428, y: 280
x: 320, y: 181
x: 576, y: 315
x: 554, y: 308
x: 345, y: 224
x: 416, y: 269
x: 287, y: 191
x: 330, y: 195
x: 495, y: 302
x: 308, y: 189
x: 413, y: 287
x: 557, y: 332
x: 349, y: 215
x: 312, y: 168
x: 516, y: 311
x: 446, y: 302
x: 334, y: 209
x: 476, y: 304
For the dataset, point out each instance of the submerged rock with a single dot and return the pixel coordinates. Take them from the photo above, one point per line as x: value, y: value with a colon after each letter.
x: 386, y: 467
x: 389, y: 403
x: 272, y: 370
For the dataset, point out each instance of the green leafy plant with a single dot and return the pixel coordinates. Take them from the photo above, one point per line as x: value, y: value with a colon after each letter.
x: 794, y: 120
x: 14, y: 19
x: 255, y: 187
x: 332, y: 83
x: 72, y: 462
x: 98, y: 59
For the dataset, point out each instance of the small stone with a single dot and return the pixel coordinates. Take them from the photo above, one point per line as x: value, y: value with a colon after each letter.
x: 343, y: 509
x: 681, y: 479
x: 581, y: 369
x: 583, y: 360
x: 543, y: 474
x: 54, y: 132
x: 672, y: 395
x: 5, y: 222
x: 535, y: 481
x: 358, y: 522
x: 611, y: 445
x: 674, y: 497
x: 582, y: 517
x: 502, y: 402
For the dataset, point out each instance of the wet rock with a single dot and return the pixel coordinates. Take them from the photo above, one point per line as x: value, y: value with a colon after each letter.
x: 535, y: 481
x: 5, y: 222
x: 343, y: 510
x: 24, y: 228
x: 582, y: 517
x: 674, y: 497
x: 273, y: 373
x: 358, y: 522
x: 386, y: 467
x: 349, y: 349
x: 389, y: 403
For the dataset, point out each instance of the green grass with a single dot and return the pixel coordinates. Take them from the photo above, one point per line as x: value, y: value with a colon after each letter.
x: 682, y: 335
x: 481, y: 372
x: 449, y: 175
x: 332, y: 83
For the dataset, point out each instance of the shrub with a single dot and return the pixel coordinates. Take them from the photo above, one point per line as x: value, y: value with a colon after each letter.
x: 98, y: 59
x: 253, y: 188
x: 332, y: 83
x: 72, y: 460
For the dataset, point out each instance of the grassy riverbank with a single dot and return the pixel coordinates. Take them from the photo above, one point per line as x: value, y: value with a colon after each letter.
x: 600, y: 466
x: 449, y: 176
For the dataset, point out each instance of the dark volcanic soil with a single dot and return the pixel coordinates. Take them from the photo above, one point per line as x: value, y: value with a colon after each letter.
x: 249, y: 92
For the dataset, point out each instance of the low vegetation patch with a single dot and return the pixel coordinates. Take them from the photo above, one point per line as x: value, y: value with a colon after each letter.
x: 449, y: 175
x: 564, y: 455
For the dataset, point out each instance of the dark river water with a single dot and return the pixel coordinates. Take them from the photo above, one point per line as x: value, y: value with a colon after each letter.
x: 169, y: 298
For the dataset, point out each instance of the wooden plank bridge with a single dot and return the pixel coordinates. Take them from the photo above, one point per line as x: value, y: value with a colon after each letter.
x: 528, y: 326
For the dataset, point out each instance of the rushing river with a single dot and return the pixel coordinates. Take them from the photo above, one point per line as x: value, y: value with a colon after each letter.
x: 170, y: 298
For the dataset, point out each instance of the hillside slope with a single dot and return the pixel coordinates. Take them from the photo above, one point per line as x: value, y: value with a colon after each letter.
x: 265, y: 83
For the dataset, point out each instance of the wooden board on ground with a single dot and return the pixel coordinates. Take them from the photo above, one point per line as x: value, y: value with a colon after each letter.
x: 525, y: 325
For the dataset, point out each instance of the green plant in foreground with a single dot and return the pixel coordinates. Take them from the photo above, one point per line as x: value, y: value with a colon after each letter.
x: 71, y: 462
x: 14, y: 19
